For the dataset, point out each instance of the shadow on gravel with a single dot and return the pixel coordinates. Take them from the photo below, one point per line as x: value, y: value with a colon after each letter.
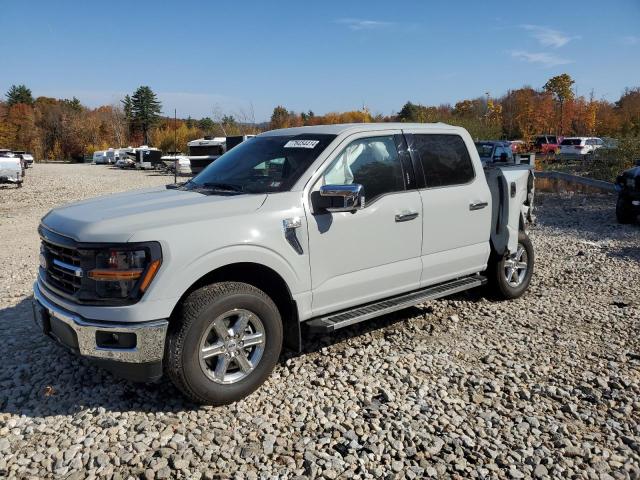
x: 39, y: 378
x: 314, y: 342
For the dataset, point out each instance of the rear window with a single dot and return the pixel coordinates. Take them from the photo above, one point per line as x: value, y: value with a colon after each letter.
x: 484, y: 150
x: 445, y: 159
x: 571, y: 141
x: 552, y: 139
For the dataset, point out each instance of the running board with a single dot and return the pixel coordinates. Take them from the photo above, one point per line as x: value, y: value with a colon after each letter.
x: 334, y: 321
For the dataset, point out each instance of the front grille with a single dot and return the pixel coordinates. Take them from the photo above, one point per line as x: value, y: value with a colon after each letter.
x: 63, y: 266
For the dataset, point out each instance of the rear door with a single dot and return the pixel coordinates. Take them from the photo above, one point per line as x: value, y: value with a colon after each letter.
x: 456, y: 199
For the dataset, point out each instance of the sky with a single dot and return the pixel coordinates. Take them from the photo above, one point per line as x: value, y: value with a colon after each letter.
x: 245, y: 57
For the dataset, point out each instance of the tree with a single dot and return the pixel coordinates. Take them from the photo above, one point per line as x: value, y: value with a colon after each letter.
x: 628, y: 108
x: 280, y: 117
x: 127, y: 107
x: 19, y: 94
x: 74, y: 104
x: 560, y: 87
x: 411, y: 112
x: 206, y: 124
x: 145, y: 110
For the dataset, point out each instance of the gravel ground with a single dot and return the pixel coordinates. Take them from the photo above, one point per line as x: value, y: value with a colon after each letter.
x: 545, y: 386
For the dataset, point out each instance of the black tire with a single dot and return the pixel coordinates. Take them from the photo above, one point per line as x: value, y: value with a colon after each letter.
x: 496, y: 272
x: 623, y: 211
x: 195, y: 317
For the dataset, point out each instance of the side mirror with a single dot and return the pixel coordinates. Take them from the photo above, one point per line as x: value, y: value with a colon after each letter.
x: 341, y: 198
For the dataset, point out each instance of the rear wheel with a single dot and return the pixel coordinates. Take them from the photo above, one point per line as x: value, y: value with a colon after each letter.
x: 623, y: 211
x: 510, y: 275
x: 226, y: 341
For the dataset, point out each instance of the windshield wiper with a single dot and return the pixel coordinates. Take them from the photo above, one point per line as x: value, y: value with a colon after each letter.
x: 222, y: 186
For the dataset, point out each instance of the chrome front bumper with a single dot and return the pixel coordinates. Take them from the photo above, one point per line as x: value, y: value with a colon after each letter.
x: 149, y: 336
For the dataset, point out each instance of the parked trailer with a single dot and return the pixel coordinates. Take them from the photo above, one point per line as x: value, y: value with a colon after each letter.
x: 204, y: 151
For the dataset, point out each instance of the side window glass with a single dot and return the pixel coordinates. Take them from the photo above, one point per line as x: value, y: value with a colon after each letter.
x: 371, y: 162
x: 445, y: 159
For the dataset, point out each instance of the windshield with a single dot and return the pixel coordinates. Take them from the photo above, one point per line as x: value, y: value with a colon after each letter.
x: 262, y: 164
x: 484, y: 149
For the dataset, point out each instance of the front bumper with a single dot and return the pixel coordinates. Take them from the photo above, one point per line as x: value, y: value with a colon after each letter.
x: 131, y: 350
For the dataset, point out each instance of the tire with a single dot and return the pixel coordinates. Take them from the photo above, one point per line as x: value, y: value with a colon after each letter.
x: 196, y: 328
x: 623, y: 211
x: 497, y: 272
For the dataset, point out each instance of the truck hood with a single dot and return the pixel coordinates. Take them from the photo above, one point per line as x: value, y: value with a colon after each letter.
x: 116, y: 218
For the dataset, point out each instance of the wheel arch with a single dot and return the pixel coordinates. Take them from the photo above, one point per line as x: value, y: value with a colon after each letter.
x: 264, y: 278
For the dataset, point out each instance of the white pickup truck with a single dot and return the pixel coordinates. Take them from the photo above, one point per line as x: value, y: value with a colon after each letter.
x: 207, y: 280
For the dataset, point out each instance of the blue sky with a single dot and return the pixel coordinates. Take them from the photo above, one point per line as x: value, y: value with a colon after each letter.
x: 324, y: 56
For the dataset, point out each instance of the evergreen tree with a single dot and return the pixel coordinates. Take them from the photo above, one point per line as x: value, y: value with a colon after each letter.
x: 19, y: 94
x: 145, y: 109
x: 206, y: 125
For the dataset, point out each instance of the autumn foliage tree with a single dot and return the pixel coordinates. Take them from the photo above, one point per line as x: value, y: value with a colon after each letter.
x: 64, y: 128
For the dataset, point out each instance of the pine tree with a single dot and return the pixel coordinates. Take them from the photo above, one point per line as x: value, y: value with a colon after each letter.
x: 145, y: 109
x: 19, y: 94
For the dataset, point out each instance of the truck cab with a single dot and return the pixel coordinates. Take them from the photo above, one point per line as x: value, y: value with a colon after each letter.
x: 317, y: 227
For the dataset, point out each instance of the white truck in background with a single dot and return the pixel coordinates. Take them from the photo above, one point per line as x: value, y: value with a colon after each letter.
x: 319, y: 227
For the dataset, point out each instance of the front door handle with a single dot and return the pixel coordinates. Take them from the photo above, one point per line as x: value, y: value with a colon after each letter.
x: 478, y: 205
x: 406, y: 216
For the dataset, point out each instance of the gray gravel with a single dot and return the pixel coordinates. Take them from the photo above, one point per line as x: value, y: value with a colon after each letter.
x: 545, y: 386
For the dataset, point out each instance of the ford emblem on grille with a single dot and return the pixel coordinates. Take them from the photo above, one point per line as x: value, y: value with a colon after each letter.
x: 43, y: 261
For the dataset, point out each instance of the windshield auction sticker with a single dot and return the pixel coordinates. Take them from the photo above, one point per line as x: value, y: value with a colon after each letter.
x: 301, y: 143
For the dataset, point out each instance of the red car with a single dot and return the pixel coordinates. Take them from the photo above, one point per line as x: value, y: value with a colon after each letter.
x: 546, y: 144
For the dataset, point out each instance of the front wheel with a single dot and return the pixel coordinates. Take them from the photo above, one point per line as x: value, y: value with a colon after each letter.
x: 226, y: 341
x: 510, y: 275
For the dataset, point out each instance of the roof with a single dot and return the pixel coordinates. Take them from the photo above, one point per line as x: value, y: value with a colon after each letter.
x: 337, y: 129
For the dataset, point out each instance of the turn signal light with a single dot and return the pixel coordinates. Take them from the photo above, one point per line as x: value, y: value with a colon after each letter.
x: 151, y: 272
x: 111, y: 275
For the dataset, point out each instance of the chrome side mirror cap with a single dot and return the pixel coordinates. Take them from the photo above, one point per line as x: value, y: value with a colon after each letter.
x: 342, y: 198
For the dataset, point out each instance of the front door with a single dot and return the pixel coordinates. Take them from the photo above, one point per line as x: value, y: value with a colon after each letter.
x: 373, y: 252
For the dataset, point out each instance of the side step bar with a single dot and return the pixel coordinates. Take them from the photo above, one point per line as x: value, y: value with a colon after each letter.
x: 334, y: 321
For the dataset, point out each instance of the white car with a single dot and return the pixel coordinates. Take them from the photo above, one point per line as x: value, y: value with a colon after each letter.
x: 580, y: 145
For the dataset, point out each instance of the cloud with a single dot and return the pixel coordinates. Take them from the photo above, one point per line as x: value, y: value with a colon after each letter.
x: 542, y: 58
x: 363, y: 24
x: 630, y: 40
x: 548, y: 37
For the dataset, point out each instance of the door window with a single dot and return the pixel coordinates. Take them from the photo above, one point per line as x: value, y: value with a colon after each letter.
x: 372, y: 162
x: 445, y: 159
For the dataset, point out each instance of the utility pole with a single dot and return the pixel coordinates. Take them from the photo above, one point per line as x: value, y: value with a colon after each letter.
x: 175, y: 145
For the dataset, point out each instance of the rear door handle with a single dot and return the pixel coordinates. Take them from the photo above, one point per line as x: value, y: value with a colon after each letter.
x: 478, y: 205
x: 406, y: 216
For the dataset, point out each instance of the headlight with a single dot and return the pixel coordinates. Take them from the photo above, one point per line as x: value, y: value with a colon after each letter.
x: 124, y: 272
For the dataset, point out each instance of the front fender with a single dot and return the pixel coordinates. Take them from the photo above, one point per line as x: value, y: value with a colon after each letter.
x: 182, y: 278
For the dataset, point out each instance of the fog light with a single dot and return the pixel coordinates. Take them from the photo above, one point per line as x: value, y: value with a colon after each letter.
x: 115, y: 339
